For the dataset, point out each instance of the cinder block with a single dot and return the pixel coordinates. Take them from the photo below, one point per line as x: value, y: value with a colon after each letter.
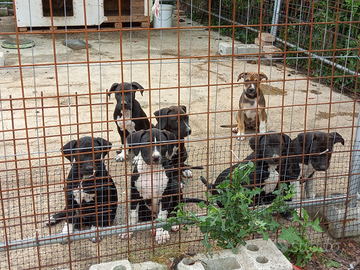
x: 226, y: 48
x: 190, y: 264
x: 336, y: 212
x: 266, y: 37
x: 148, y: 266
x: 272, y: 50
x: 2, y: 60
x: 264, y: 255
x: 4, y: 11
x: 117, y: 265
x: 263, y: 43
x: 248, y: 49
x: 257, y: 254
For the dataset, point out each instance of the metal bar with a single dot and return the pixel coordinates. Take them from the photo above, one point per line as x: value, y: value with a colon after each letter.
x: 275, y: 19
x: 58, y: 238
x: 355, y: 167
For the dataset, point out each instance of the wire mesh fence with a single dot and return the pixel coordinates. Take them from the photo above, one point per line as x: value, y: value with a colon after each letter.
x: 51, y: 94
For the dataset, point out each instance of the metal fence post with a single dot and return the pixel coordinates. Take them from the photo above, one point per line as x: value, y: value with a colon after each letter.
x: 355, y: 166
x: 275, y: 19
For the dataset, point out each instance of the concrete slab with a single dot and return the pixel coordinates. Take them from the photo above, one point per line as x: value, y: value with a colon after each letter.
x: 248, y: 49
x: 264, y: 255
x: 148, y: 266
x: 4, y: 11
x: 225, y: 48
x: 266, y: 37
x: 335, y: 213
x: 257, y: 254
x: 220, y: 260
x: 190, y: 264
x: 275, y: 51
x: 117, y: 265
x: 2, y: 60
x: 263, y: 43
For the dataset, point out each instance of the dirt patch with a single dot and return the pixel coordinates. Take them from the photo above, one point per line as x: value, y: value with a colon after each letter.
x: 326, y: 115
x: 273, y: 91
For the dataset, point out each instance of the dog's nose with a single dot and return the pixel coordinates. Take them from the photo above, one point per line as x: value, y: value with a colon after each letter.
x: 87, y: 167
x: 156, y: 159
x: 252, y: 90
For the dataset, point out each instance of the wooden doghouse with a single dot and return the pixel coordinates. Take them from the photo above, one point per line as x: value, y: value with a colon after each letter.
x: 70, y: 13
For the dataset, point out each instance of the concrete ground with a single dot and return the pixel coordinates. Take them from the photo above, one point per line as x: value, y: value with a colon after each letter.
x: 175, y: 67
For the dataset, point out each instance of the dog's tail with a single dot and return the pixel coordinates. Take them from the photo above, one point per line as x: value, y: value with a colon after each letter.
x: 192, y: 167
x: 229, y: 126
x: 192, y: 200
x: 208, y: 185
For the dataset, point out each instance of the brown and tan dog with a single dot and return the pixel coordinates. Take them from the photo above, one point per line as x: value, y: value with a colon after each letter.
x: 251, y: 98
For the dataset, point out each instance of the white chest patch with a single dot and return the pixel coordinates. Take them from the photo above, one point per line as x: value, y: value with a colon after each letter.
x: 271, y: 182
x: 251, y: 113
x: 306, y: 170
x: 80, y: 195
x: 152, y: 181
x: 129, y: 125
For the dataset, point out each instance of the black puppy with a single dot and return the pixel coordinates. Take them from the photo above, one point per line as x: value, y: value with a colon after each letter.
x: 309, y: 152
x: 155, y: 189
x: 91, y: 195
x: 175, y: 120
x: 266, y: 157
x: 128, y: 114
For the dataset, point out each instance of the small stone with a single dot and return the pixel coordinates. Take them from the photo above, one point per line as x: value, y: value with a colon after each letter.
x: 75, y: 44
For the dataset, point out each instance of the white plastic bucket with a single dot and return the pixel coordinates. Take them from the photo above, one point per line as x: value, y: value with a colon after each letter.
x: 165, y: 16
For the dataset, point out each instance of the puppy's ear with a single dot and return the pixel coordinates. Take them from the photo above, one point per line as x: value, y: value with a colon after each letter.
x: 242, y: 75
x: 252, y: 142
x: 285, y: 142
x: 135, y: 138
x: 335, y: 137
x: 309, y: 137
x: 183, y: 108
x: 70, y: 149
x: 262, y: 76
x: 136, y: 85
x: 113, y: 88
x: 170, y: 137
x: 258, y: 143
x: 162, y: 120
x: 105, y: 146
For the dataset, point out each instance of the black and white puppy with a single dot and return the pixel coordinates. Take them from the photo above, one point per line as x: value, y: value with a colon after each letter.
x: 91, y: 195
x: 175, y: 120
x: 128, y: 114
x: 155, y: 187
x: 268, y: 149
x: 309, y: 152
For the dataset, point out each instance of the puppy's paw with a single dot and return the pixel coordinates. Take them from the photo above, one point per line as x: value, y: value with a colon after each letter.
x: 162, y: 236
x: 187, y: 173
x: 311, y: 195
x: 51, y: 221
x: 240, y: 137
x: 234, y: 130
x: 120, y: 157
x: 135, y: 160
x: 175, y: 228
x: 96, y: 239
x: 125, y: 236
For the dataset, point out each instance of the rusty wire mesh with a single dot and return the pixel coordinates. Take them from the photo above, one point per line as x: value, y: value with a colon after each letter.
x: 51, y: 94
